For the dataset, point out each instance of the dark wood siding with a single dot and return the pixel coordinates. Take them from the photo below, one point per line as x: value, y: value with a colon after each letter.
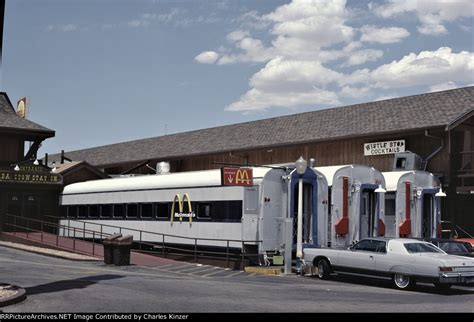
x: 11, y: 149
x: 325, y: 154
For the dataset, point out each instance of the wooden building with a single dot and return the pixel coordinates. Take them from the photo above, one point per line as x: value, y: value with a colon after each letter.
x: 78, y: 171
x: 28, y: 189
x: 437, y: 126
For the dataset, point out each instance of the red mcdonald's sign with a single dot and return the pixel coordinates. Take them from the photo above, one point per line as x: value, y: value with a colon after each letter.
x: 237, y: 177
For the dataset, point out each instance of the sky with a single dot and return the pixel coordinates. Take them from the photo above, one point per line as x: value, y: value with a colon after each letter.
x: 105, y: 71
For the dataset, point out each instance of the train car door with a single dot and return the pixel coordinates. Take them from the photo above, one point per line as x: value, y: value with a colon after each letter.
x: 310, y: 215
x: 390, y: 215
x: 368, y: 215
x: 307, y: 212
x: 427, y: 215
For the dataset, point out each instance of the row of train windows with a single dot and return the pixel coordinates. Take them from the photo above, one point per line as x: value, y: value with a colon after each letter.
x: 225, y: 211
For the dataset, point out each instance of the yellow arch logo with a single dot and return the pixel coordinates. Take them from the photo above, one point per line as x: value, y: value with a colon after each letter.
x: 181, y: 203
x: 242, y: 177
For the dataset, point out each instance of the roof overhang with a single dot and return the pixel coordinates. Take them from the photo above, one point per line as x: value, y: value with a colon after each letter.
x: 459, y: 120
x: 30, y: 134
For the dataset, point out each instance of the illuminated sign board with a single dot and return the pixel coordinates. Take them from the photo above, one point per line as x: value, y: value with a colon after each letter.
x: 237, y: 177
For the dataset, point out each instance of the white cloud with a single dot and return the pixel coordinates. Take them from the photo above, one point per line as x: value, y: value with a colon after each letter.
x: 291, y: 75
x: 256, y: 100
x: 443, y: 87
x: 64, y: 28
x: 383, y: 35
x: 251, y: 50
x: 288, y: 83
x: 294, y: 74
x: 362, y: 56
x: 175, y: 16
x: 306, y: 36
x: 432, y: 14
x: 319, y: 21
x: 426, y: 68
x: 356, y: 92
x: 301, y: 28
x: 237, y: 35
x: 252, y: 20
x: 207, y: 57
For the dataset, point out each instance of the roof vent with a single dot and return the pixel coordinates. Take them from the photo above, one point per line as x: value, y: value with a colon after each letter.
x: 163, y: 167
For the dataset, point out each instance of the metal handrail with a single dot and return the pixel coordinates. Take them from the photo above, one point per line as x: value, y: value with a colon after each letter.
x: 162, y: 234
x: 29, y: 229
x: 228, y: 255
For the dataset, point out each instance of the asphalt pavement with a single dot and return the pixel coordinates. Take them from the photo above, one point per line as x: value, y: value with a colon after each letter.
x: 62, y: 285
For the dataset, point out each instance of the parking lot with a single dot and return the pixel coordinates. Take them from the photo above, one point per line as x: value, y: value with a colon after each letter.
x: 59, y: 285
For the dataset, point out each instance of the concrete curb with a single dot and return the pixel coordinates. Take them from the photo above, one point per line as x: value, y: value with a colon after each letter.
x: 264, y: 270
x: 50, y: 252
x: 19, y: 296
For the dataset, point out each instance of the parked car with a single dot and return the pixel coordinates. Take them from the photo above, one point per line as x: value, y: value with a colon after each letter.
x: 405, y: 261
x: 468, y: 242
x: 452, y: 247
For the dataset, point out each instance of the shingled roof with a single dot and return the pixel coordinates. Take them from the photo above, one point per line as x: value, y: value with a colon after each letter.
x: 10, y: 121
x: 398, y: 115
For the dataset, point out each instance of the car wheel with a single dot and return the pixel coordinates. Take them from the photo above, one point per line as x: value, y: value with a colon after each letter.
x: 324, y: 269
x: 402, y: 281
x: 442, y: 287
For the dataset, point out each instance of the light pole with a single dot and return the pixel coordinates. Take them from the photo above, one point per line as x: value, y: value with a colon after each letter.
x: 301, y: 166
x: 379, y: 231
x: 440, y: 194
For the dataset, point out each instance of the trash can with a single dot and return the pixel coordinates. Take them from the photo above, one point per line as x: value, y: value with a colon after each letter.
x: 122, y: 247
x: 107, y: 243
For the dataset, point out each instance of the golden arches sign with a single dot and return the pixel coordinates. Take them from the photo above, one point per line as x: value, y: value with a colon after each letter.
x: 237, y: 177
x: 181, y: 203
x: 242, y: 177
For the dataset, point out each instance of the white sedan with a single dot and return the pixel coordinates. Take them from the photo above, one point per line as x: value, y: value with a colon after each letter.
x: 405, y: 261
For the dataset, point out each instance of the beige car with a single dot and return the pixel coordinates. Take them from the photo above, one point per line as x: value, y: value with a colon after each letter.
x: 405, y: 261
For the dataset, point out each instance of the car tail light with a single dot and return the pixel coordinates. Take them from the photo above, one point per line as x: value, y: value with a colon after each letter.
x: 445, y: 269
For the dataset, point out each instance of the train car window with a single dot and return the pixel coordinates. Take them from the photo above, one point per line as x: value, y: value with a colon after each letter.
x: 204, y: 210
x: 227, y: 211
x: 162, y: 210
x: 82, y: 211
x: 147, y: 210
x: 94, y: 211
x: 119, y: 211
x: 132, y: 210
x: 64, y: 211
x: 251, y: 200
x: 186, y: 208
x: 106, y: 211
x: 72, y: 211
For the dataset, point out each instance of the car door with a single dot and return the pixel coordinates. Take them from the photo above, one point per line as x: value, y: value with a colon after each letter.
x: 383, y: 261
x: 359, y: 258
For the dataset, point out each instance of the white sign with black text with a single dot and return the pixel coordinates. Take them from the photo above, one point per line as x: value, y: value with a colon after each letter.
x: 386, y: 147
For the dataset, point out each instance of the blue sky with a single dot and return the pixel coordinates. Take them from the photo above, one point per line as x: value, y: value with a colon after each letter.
x: 105, y: 71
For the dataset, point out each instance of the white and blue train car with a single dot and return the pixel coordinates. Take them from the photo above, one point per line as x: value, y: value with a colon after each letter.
x: 357, y: 203
x: 413, y: 204
x: 194, y: 208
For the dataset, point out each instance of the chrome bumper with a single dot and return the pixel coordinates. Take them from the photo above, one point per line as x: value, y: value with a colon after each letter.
x: 457, y: 278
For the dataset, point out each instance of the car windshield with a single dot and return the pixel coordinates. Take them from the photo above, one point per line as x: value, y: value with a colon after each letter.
x: 421, y: 248
x: 455, y: 248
